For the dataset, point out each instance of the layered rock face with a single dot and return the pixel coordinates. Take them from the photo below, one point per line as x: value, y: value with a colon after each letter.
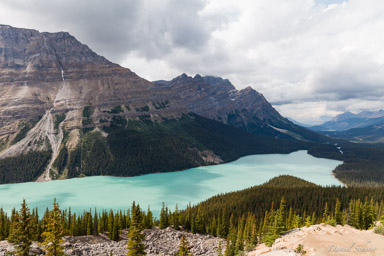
x: 48, y: 80
x: 46, y: 73
x: 54, y: 71
x: 218, y: 99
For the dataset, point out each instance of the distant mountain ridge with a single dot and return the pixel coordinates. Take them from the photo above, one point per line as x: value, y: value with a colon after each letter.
x: 366, y: 126
x: 348, y: 120
x: 371, y: 133
x: 217, y: 99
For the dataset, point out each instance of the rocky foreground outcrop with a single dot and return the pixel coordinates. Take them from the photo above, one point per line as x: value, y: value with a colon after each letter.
x: 158, y: 242
x: 325, y: 240
x: 317, y: 240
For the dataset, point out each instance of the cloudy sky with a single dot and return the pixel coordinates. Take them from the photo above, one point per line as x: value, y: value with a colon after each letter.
x: 312, y: 59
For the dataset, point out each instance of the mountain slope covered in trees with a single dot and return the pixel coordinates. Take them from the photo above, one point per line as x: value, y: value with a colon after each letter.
x: 140, y: 147
x: 83, y: 108
x: 245, y: 218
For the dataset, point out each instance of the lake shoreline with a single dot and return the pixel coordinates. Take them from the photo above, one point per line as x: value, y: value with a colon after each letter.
x: 191, y: 185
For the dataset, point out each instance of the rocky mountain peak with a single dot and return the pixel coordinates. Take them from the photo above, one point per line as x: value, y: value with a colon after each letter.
x: 248, y: 89
x: 29, y: 49
x: 344, y: 116
x: 43, y: 75
x: 200, y: 81
x: 183, y: 76
x: 216, y: 98
x: 198, y: 77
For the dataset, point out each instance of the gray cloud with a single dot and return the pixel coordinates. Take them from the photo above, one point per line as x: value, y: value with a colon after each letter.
x: 307, y: 55
x: 150, y: 28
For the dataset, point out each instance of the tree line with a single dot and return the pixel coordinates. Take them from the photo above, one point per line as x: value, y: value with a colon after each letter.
x: 136, y: 147
x: 362, y: 165
x: 25, y: 167
x: 244, y: 218
x: 25, y: 226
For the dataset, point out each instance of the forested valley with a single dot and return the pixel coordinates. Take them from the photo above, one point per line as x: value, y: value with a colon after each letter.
x: 135, y: 147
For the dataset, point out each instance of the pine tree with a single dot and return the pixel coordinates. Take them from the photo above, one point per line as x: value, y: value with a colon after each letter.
x: 163, y: 217
x: 136, y: 237
x: 278, y: 224
x: 313, y: 218
x: 273, y: 232
x: 219, y: 225
x: 297, y: 221
x: 111, y: 220
x: 359, y: 214
x: 228, y: 248
x: 193, y: 224
x: 115, y: 229
x: 54, y: 232
x: 213, y: 226
x: 89, y: 224
x: 13, y: 219
x: 220, y: 250
x: 69, y: 225
x: 188, y: 217
x: 308, y: 221
x: 239, y: 246
x: 184, y: 248
x: 325, y: 213
x: 128, y: 219
x: 368, y: 214
x: 281, y: 215
x: 199, y: 221
x: 253, y: 240
x: 35, y: 225
x: 344, y: 217
x: 176, y: 218
x: 95, y: 223
x: 264, y: 227
x: 149, y: 218
x: 22, y: 231
x: 289, y: 223
x: 352, y: 214
x: 224, y: 224
x: 338, y: 213
x: 3, y: 224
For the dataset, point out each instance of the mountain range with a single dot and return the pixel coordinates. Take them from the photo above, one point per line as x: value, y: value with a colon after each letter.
x: 348, y: 120
x: 66, y: 111
x: 217, y: 99
x: 366, y: 126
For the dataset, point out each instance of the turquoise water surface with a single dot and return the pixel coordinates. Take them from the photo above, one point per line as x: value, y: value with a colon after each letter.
x: 192, y: 185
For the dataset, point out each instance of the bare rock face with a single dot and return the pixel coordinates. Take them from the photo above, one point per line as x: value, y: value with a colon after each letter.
x: 47, y: 80
x: 42, y: 74
x: 217, y: 98
x: 54, y: 71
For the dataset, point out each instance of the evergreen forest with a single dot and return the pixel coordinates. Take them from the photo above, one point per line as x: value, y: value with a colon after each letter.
x: 244, y: 218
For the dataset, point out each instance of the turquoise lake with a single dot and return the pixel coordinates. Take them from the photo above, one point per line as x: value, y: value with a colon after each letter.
x: 192, y: 185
